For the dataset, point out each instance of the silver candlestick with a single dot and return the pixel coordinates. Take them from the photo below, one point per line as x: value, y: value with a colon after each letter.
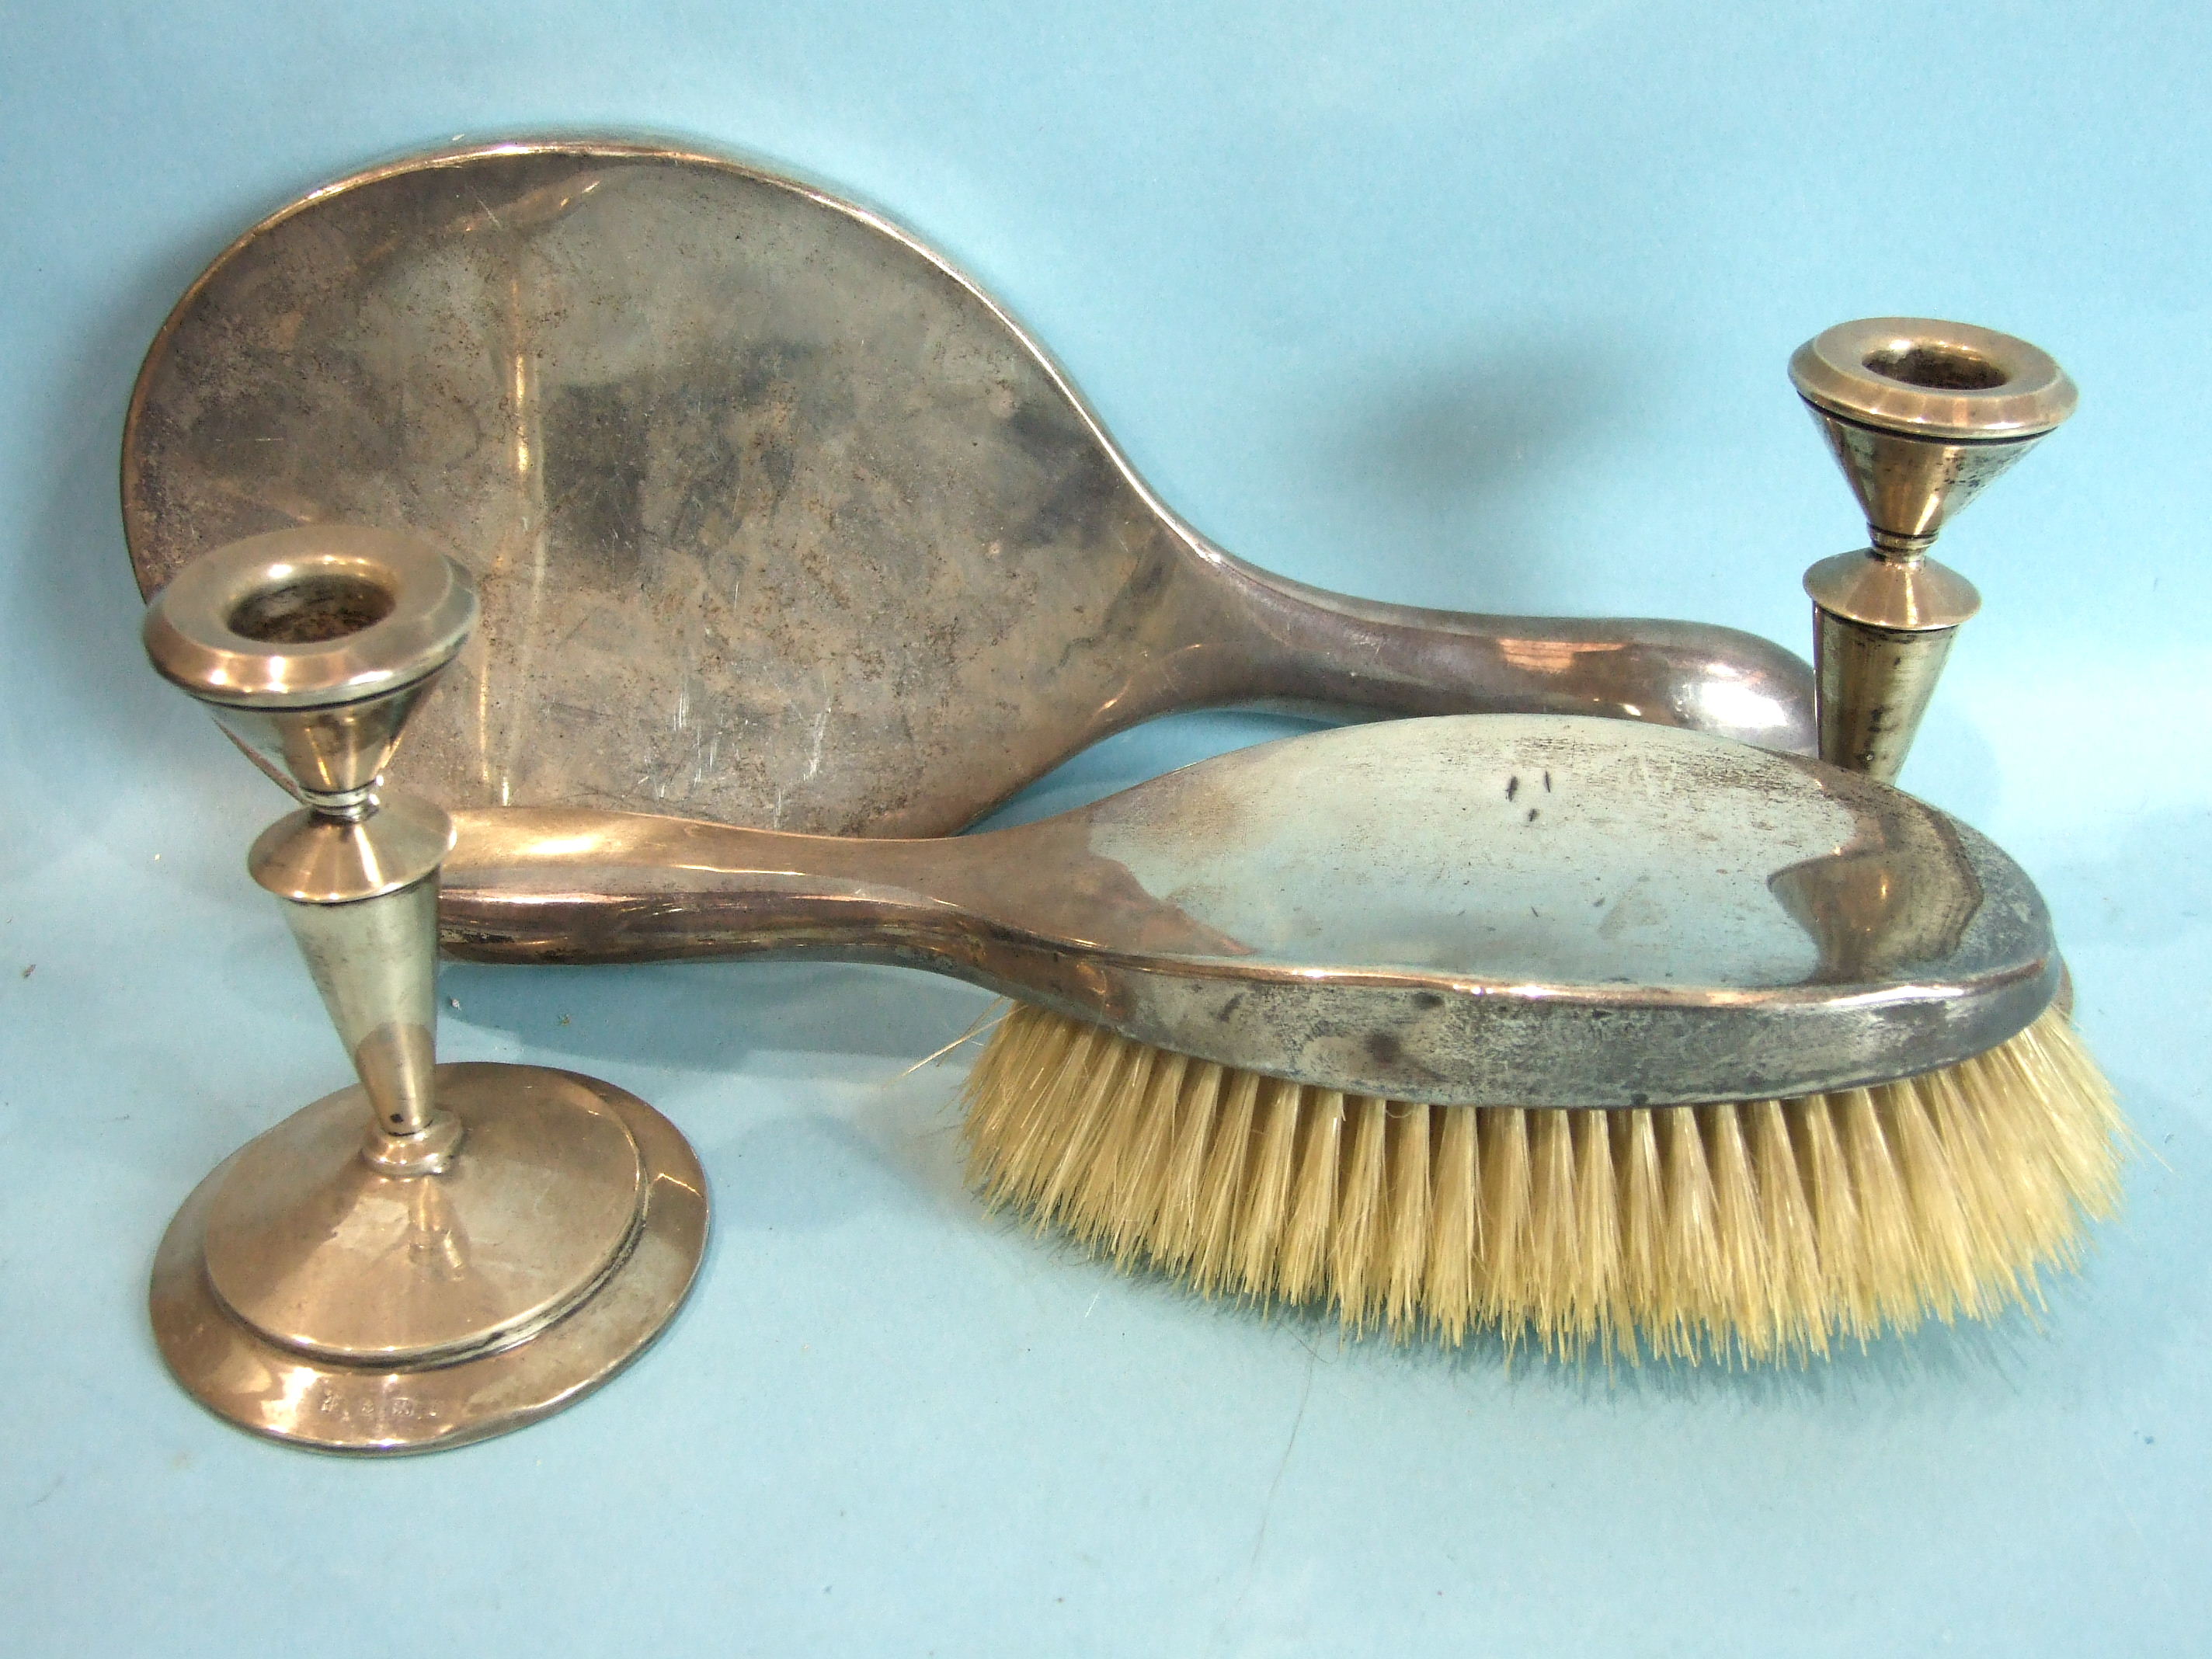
x: 1922, y: 416
x: 441, y: 1252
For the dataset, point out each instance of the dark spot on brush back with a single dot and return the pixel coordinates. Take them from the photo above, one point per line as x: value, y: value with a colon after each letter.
x: 1383, y: 1049
x: 1512, y: 788
x: 1428, y: 999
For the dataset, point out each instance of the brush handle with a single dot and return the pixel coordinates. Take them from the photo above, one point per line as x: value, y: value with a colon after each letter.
x: 574, y: 885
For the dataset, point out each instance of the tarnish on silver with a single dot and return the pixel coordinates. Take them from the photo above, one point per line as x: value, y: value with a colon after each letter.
x: 443, y: 1252
x: 1490, y: 910
x: 1922, y: 416
x: 777, y: 518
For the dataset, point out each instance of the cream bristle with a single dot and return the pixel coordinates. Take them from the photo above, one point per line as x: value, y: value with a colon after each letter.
x: 1357, y: 1242
x: 1553, y: 1246
x: 1448, y: 1284
x: 1999, y: 1279
x: 1690, y: 1288
x: 1598, y: 1309
x: 1305, y: 1256
x: 1793, y: 1261
x: 1740, y: 1269
x: 1004, y: 1081
x: 1094, y: 1183
x: 1839, y: 1242
x: 1405, y: 1260
x: 1135, y: 1198
x: 1083, y: 1097
x: 1761, y: 1230
x: 1174, y: 1207
x: 1642, y: 1232
x: 1503, y: 1248
x: 1222, y: 1183
x: 1947, y: 1286
x: 1019, y: 1078
x: 1260, y: 1217
x: 1891, y: 1250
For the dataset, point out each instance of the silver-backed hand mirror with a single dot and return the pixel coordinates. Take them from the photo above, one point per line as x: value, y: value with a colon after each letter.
x: 777, y: 518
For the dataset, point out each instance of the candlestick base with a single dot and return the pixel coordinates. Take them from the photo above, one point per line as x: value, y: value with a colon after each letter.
x: 304, y: 1294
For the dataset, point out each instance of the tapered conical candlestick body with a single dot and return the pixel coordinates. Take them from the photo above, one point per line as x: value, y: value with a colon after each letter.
x: 1921, y: 415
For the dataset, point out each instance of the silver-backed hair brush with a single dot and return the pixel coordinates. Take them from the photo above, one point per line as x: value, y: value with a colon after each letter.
x: 1589, y: 1030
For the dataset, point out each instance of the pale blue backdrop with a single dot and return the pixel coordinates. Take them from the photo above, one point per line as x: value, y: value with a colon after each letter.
x: 1481, y: 305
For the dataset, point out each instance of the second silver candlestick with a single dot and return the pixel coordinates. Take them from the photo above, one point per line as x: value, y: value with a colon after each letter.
x: 441, y: 1252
